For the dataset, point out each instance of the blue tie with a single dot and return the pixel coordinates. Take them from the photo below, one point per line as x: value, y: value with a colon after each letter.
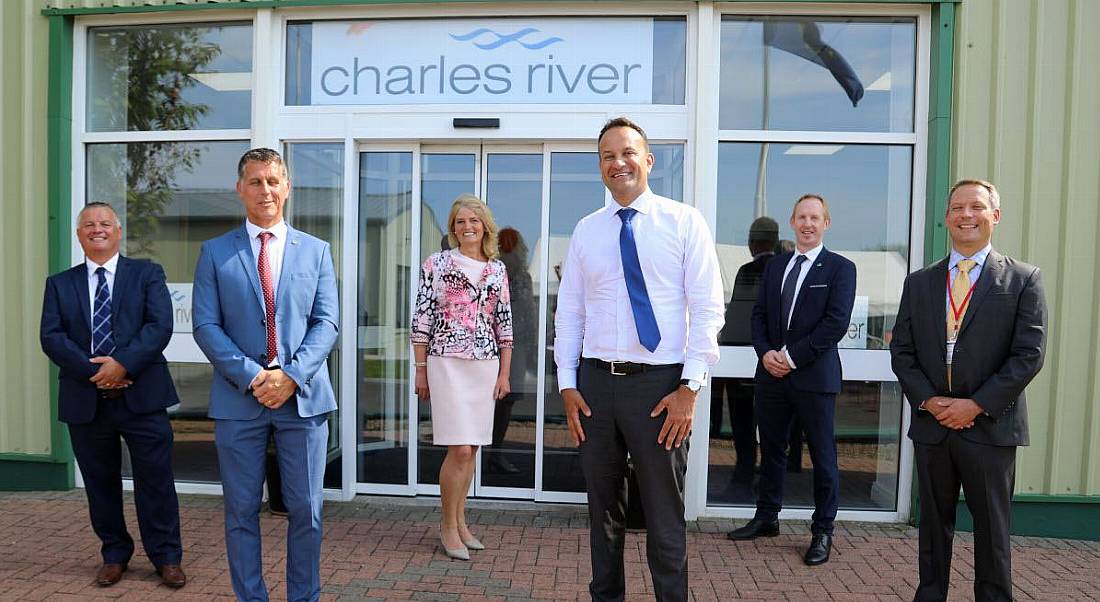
x: 648, y: 333
x: 786, y: 297
x: 103, y: 343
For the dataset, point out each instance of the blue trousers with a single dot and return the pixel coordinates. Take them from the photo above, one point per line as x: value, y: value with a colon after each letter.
x: 300, y: 447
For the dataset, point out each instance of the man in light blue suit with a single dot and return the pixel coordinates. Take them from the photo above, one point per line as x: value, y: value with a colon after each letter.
x: 265, y: 310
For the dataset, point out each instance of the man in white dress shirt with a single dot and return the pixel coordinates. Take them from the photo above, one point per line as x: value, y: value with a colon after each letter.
x: 637, y: 328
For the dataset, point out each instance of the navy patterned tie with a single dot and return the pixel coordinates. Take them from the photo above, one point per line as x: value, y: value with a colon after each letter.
x: 786, y: 296
x: 644, y: 320
x: 103, y: 342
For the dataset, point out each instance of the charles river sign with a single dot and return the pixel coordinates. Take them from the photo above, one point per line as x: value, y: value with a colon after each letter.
x: 482, y: 61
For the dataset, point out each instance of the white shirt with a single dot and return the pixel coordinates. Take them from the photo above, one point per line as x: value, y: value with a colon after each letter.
x: 275, y: 246
x: 93, y: 282
x: 680, y: 266
x: 811, y: 257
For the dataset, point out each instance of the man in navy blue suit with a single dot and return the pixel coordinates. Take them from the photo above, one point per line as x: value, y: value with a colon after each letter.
x: 803, y: 309
x: 105, y: 322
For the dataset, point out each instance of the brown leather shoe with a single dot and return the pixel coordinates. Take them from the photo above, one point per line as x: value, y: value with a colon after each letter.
x: 172, y: 575
x: 109, y: 574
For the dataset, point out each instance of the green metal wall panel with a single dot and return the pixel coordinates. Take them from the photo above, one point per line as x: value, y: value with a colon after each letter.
x: 25, y: 423
x: 1028, y: 119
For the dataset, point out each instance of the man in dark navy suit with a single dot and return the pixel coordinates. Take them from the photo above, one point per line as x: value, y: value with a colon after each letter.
x: 803, y: 309
x: 105, y: 323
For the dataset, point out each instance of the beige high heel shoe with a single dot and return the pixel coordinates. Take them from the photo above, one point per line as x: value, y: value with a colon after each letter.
x: 457, y: 553
x: 472, y: 543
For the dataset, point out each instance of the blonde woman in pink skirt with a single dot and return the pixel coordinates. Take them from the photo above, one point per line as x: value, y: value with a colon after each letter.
x: 462, y: 340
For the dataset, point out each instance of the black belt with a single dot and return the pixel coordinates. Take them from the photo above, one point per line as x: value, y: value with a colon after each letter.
x: 626, y: 368
x: 108, y: 393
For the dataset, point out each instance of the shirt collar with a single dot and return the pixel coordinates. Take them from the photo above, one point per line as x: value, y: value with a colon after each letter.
x: 811, y: 255
x: 110, y: 265
x: 278, y: 230
x: 979, y: 257
x: 642, y: 204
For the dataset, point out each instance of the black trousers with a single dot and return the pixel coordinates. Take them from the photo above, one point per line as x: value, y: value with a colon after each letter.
x: 987, y: 474
x: 776, y: 404
x: 97, y: 446
x: 620, y: 424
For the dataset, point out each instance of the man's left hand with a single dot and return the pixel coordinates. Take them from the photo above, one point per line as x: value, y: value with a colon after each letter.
x: 680, y: 405
x: 110, y: 374
x: 959, y: 414
x: 274, y: 388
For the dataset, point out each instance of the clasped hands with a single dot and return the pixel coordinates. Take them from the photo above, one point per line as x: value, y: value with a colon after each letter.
x: 954, y: 413
x: 775, y: 362
x: 110, y: 375
x: 678, y: 405
x: 272, y: 388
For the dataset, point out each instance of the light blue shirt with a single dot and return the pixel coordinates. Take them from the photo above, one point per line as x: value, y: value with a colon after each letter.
x: 953, y: 271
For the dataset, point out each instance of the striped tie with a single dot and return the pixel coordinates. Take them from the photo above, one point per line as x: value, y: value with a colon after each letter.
x: 103, y: 342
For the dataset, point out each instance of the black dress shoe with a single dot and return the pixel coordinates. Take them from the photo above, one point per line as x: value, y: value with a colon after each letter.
x: 818, y: 552
x: 757, y: 527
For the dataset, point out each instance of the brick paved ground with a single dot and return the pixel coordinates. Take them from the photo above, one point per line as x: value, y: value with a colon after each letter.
x: 382, y: 549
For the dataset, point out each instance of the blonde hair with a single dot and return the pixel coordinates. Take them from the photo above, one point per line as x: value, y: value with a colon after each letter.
x: 806, y: 197
x: 481, y: 210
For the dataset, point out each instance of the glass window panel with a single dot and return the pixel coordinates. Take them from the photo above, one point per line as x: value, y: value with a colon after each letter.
x: 315, y: 206
x: 576, y: 190
x: 868, y: 188
x: 668, y: 85
x: 385, y: 232
x: 816, y: 73
x: 443, y: 177
x: 171, y: 197
x: 514, y: 194
x: 169, y: 77
x: 868, y: 436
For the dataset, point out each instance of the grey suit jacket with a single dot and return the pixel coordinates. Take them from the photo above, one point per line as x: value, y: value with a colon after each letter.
x: 999, y: 349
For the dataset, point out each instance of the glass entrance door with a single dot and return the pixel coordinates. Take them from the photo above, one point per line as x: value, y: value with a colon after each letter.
x: 537, y: 193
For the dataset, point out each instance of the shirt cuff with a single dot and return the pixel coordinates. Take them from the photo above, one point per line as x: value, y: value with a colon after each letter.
x: 695, y: 370
x: 789, y: 360
x: 567, y: 378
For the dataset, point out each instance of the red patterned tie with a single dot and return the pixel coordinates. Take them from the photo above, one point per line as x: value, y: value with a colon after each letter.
x: 264, y: 268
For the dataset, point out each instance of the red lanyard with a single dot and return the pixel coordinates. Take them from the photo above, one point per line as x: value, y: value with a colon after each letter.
x: 960, y: 309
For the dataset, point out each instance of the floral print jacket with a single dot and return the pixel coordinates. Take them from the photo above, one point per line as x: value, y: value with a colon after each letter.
x: 458, y: 318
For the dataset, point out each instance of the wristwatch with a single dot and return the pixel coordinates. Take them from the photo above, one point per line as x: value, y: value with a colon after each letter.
x: 692, y: 384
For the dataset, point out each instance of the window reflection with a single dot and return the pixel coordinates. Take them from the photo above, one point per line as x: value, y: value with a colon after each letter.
x: 868, y: 435
x: 169, y: 77
x: 816, y: 73
x: 382, y: 386
x: 868, y: 188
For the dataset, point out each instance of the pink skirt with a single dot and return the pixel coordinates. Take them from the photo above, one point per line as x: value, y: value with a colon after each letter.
x: 461, y: 394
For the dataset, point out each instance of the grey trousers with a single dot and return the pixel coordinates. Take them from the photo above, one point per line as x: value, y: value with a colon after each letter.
x: 620, y: 424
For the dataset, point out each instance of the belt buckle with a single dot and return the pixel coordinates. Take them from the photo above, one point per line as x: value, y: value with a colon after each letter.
x: 613, y: 372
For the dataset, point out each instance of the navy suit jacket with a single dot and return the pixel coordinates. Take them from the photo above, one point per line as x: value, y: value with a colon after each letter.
x: 141, y: 323
x: 821, y: 316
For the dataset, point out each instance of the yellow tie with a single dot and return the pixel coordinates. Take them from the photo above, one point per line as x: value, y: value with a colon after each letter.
x: 960, y: 288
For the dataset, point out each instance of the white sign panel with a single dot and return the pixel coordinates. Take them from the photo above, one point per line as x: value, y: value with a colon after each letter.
x: 182, y: 347
x: 482, y: 61
x: 856, y: 337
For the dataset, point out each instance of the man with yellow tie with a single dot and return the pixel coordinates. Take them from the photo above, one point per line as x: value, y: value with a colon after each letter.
x: 970, y: 336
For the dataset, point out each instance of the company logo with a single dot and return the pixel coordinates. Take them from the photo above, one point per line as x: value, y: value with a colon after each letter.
x: 502, y: 39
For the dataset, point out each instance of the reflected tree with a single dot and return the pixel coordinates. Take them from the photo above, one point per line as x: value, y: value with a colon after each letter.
x: 155, y: 73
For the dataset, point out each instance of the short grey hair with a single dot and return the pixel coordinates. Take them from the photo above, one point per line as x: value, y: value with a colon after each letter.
x: 994, y: 196
x: 96, y: 205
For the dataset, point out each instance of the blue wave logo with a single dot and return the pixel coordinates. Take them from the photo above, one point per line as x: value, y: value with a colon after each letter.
x: 502, y: 39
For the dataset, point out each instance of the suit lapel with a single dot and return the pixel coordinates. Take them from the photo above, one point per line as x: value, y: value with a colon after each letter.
x: 122, y: 279
x: 79, y: 276
x: 244, y: 252
x: 781, y: 261
x: 937, y: 300
x: 293, y: 239
x: 991, y: 272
